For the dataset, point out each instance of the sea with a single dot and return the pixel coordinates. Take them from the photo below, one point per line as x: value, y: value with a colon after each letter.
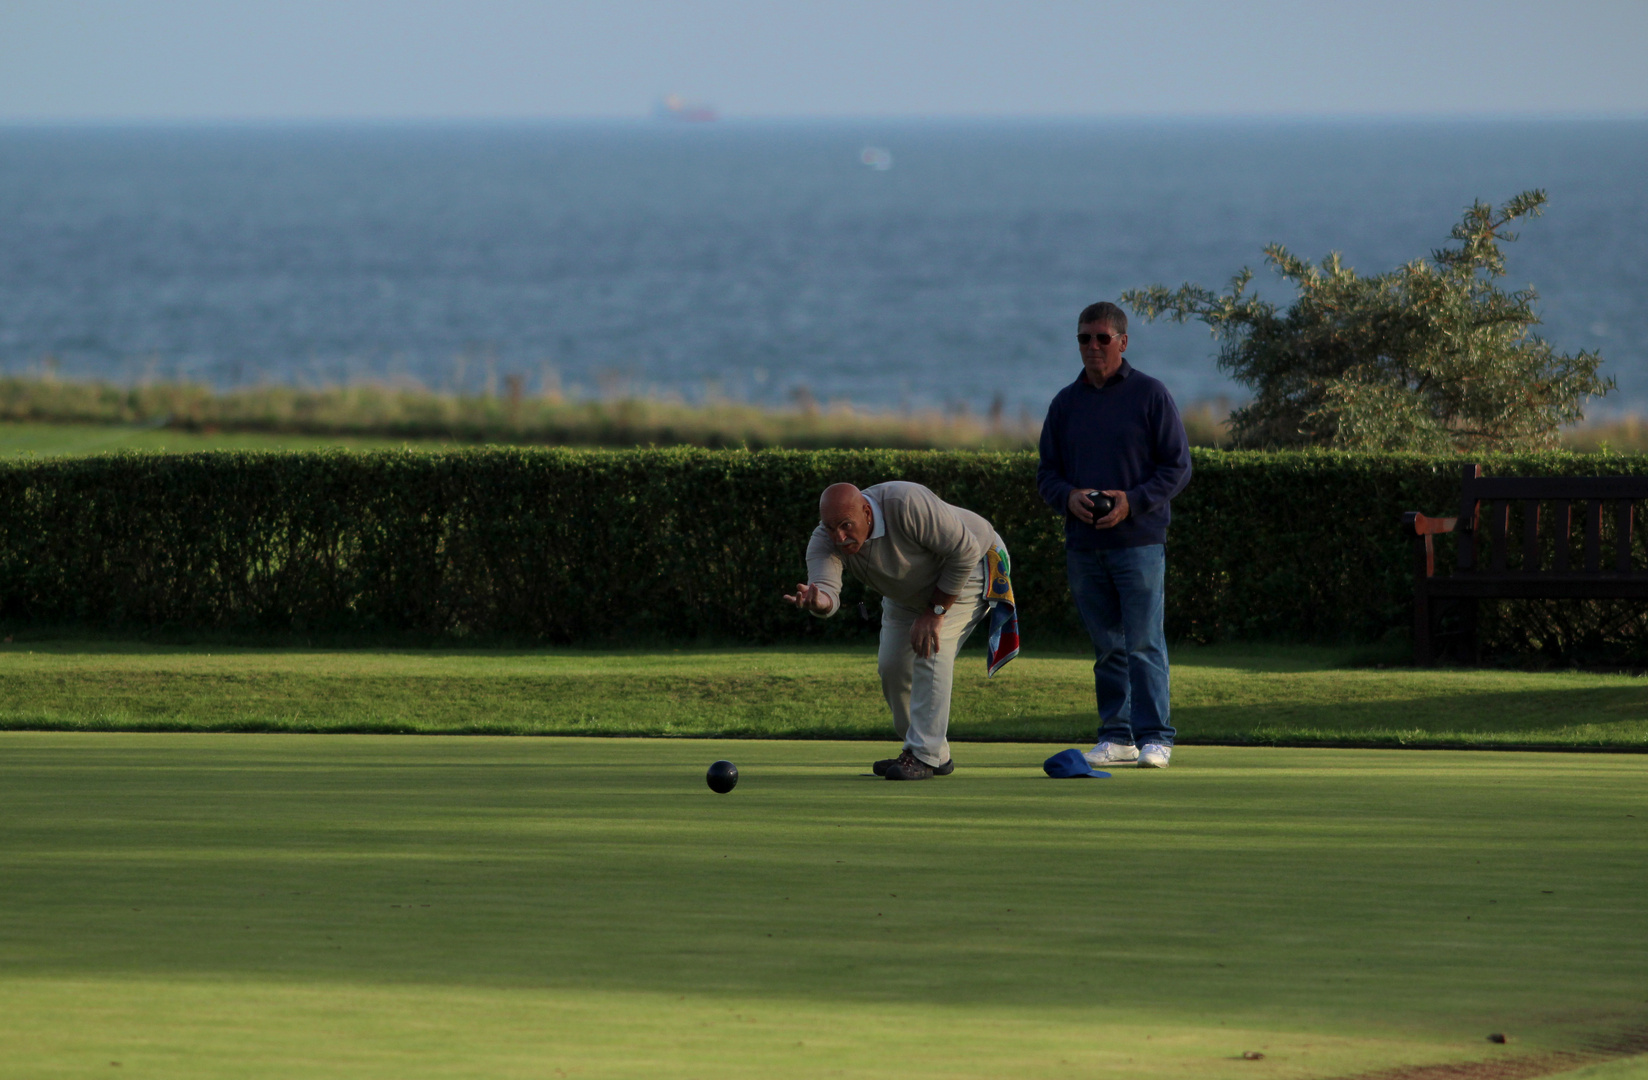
x: 888, y: 265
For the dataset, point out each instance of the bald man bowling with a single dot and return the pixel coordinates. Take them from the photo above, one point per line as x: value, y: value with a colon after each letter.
x: 928, y: 559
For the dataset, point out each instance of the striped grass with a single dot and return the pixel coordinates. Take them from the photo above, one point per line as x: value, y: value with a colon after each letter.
x: 366, y: 906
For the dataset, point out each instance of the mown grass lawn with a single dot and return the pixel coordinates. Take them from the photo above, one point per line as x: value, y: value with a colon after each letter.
x: 360, y: 906
x: 1264, y: 694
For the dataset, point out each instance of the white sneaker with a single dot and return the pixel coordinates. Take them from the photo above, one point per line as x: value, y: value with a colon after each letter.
x: 1106, y: 753
x: 1154, y: 756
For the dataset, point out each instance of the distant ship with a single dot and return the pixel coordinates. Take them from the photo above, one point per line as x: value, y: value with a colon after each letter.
x: 679, y: 110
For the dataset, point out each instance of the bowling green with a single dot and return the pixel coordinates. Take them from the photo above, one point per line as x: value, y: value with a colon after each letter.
x: 188, y: 905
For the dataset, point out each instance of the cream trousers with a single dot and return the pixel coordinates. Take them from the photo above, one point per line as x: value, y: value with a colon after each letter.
x: 917, y: 688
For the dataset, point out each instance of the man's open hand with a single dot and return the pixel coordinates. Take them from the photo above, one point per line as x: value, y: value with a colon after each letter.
x: 808, y: 598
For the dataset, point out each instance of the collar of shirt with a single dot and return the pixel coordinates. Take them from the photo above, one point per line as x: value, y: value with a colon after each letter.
x: 1122, y: 372
x: 878, y: 527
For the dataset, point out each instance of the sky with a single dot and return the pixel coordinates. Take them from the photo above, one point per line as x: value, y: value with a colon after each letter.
x: 293, y: 60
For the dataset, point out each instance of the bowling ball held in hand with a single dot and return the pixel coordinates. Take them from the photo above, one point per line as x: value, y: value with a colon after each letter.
x: 1102, y: 503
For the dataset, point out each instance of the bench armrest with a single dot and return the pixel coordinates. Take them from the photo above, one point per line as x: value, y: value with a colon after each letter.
x: 1416, y: 524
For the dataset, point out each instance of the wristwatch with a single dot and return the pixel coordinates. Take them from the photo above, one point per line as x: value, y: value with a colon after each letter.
x: 938, y: 609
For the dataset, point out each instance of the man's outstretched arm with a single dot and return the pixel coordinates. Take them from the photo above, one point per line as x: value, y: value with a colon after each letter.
x: 820, y: 594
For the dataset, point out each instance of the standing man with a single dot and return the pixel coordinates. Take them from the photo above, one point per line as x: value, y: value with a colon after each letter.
x: 1116, y: 431
x: 930, y: 561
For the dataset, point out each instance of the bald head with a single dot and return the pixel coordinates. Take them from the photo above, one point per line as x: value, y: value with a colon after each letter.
x: 839, y: 499
x: 846, y: 516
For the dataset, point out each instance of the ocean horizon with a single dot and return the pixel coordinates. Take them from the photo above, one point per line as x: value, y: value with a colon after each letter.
x: 890, y: 264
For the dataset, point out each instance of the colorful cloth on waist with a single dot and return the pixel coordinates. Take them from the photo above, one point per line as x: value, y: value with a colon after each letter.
x: 1004, y: 615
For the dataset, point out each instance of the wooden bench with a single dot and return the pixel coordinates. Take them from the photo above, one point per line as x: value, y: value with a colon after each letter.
x: 1485, y: 568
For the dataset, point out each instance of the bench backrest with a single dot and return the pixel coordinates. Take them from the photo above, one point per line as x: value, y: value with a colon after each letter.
x: 1596, y: 492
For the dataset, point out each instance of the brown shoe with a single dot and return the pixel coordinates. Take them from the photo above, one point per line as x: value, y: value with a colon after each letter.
x: 910, y: 767
x: 880, y: 768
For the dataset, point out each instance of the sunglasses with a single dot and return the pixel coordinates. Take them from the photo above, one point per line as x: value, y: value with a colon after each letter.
x: 1102, y: 339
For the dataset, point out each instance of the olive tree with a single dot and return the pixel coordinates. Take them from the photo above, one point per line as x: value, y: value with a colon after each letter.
x: 1430, y: 356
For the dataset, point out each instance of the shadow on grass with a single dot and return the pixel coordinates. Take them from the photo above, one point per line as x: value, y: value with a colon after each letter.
x: 1594, y: 718
x: 1604, y: 718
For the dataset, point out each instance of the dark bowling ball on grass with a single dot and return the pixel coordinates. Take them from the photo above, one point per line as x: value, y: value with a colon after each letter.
x: 1102, y: 503
x: 722, y: 777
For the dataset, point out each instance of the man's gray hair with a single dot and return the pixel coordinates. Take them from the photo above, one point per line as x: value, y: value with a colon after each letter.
x: 1104, y: 312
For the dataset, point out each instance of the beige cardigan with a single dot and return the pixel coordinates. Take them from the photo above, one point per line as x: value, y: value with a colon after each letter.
x: 927, y: 542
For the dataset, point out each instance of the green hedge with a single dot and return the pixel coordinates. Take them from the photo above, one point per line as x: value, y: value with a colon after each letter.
x: 602, y: 546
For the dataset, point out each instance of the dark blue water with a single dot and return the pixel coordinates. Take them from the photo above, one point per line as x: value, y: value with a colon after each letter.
x: 751, y: 261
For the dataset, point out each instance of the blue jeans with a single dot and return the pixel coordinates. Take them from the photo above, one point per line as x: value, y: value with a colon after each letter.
x: 1119, y: 594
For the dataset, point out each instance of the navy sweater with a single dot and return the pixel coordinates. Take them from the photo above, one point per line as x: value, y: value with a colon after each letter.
x: 1124, y: 436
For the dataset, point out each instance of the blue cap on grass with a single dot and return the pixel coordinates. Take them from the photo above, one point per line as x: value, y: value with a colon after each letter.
x: 1068, y: 764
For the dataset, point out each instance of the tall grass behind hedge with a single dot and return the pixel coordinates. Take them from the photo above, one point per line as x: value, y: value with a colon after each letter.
x: 365, y: 410
x: 591, y: 547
